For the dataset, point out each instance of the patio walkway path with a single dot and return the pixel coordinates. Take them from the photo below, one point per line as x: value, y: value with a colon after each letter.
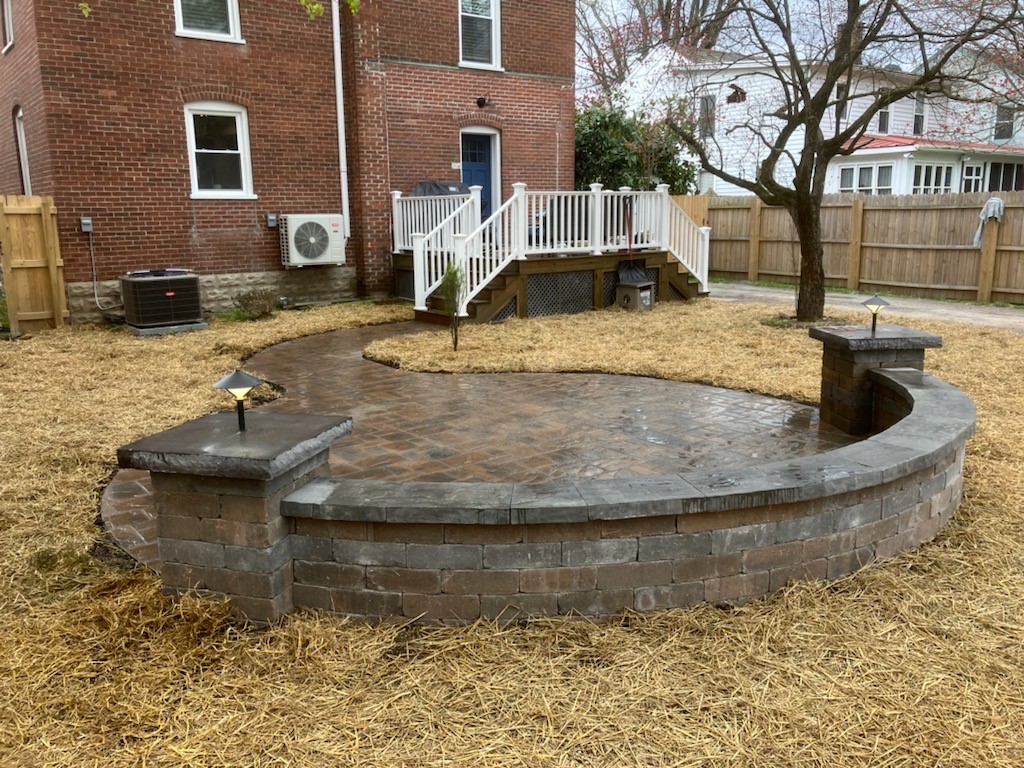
x: 514, y: 427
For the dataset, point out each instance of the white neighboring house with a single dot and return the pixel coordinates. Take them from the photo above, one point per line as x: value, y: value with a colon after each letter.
x: 928, y: 144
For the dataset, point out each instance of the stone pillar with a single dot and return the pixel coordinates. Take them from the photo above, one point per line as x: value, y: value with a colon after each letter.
x: 847, y: 398
x: 218, y: 493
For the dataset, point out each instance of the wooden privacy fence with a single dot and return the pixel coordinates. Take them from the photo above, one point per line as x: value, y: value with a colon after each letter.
x: 920, y: 245
x: 33, y: 272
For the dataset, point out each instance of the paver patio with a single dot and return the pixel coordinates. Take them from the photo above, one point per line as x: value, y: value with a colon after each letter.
x: 501, y: 427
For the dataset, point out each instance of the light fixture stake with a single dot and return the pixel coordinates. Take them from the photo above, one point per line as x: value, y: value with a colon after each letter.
x: 239, y: 384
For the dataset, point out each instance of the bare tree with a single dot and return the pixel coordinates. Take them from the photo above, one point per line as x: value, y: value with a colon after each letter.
x: 613, y: 34
x: 820, y: 59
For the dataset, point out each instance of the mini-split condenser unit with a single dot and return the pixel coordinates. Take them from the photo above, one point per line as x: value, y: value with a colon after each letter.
x: 312, y: 239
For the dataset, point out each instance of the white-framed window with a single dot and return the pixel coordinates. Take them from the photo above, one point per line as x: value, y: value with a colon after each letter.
x: 19, y: 140
x: 883, y: 119
x: 974, y: 178
x: 932, y: 179
x: 919, y: 114
x: 6, y: 25
x: 866, y: 179
x: 480, y: 34
x: 1005, y: 177
x: 218, y: 150
x: 1004, y: 124
x: 208, y: 20
x: 706, y: 118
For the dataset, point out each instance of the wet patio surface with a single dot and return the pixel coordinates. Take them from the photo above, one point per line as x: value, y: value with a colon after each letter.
x: 518, y: 427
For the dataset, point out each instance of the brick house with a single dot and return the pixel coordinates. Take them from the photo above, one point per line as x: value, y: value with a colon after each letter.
x: 179, y: 125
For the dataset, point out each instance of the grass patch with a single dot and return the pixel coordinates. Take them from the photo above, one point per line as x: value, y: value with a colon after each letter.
x: 916, y: 661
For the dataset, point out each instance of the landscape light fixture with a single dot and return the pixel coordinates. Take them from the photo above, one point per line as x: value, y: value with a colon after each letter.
x: 239, y: 384
x: 875, y: 304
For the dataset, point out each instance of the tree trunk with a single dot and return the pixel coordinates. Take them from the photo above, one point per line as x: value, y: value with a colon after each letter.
x: 806, y: 215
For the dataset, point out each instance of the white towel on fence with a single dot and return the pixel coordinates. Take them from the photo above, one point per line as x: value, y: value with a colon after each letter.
x: 992, y: 209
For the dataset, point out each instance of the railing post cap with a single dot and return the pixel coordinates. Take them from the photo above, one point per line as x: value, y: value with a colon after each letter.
x: 519, y: 185
x: 396, y: 193
x: 597, y: 186
x: 625, y: 189
x: 662, y: 188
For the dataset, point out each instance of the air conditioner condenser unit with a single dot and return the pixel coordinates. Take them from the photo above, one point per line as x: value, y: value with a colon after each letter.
x: 312, y: 239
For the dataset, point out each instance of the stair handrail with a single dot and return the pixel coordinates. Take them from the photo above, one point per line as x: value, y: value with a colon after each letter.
x: 434, y: 251
x: 688, y: 243
x: 493, y: 245
x: 410, y: 215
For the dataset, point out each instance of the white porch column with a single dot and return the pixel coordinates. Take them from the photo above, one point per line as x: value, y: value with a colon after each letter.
x: 461, y: 260
x: 664, y: 225
x: 519, y: 223
x: 596, y: 218
x: 474, y: 215
x: 397, y: 225
x: 705, y: 257
x: 419, y: 270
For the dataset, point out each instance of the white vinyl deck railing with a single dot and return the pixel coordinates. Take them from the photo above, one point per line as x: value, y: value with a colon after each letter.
x: 410, y: 215
x: 536, y: 223
x: 433, y: 252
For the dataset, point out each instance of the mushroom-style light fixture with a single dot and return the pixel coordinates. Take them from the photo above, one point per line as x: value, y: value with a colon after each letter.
x: 875, y: 304
x: 239, y: 384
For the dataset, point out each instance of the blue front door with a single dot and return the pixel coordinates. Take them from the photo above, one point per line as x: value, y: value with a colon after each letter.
x: 476, y: 167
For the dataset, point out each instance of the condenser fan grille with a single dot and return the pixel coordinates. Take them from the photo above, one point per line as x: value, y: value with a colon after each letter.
x: 311, y: 240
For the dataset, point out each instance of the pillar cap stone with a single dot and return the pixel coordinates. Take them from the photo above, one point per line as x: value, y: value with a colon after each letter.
x: 859, y: 337
x: 212, y: 446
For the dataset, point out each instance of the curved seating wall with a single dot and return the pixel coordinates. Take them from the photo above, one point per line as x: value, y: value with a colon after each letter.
x: 450, y: 551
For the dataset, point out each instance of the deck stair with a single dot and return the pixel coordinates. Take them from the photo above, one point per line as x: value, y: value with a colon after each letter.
x: 546, y: 233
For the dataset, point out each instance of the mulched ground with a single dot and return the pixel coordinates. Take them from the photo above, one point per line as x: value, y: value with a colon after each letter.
x: 918, y: 661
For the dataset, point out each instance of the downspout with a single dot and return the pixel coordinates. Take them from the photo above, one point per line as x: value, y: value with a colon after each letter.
x: 340, y: 101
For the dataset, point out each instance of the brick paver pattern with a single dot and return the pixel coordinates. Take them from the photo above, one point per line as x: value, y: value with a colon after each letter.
x: 517, y: 427
x: 523, y: 427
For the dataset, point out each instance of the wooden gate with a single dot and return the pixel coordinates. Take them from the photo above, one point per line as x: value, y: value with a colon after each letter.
x: 33, y: 272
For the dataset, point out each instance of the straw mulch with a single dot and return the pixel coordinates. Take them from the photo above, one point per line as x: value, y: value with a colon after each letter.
x: 918, y: 661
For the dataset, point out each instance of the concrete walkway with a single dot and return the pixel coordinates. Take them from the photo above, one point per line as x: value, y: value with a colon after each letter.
x: 1008, y: 318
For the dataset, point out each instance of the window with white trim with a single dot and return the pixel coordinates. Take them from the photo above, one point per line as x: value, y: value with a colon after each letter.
x: 19, y: 141
x: 866, y: 179
x: 6, y: 25
x: 218, y: 150
x: 1005, y: 177
x: 974, y: 178
x: 208, y: 20
x: 479, y: 33
x: 706, y: 118
x: 1004, y: 124
x: 883, y: 119
x: 932, y: 179
x: 919, y: 114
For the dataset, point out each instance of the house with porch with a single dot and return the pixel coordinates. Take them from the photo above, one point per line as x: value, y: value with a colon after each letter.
x: 194, y: 133
x: 929, y: 143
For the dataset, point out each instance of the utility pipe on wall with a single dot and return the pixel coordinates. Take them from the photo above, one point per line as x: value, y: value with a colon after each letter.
x: 340, y: 101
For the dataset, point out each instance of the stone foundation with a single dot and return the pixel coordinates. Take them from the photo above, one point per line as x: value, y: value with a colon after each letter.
x: 298, y: 286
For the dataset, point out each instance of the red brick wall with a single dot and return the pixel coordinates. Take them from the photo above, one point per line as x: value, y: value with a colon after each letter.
x: 21, y: 86
x: 115, y: 85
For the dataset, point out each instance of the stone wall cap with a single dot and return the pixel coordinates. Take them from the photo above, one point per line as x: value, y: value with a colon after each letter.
x: 859, y: 337
x: 212, y: 446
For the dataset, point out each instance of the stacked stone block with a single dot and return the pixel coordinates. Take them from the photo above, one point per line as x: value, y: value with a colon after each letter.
x: 849, y: 353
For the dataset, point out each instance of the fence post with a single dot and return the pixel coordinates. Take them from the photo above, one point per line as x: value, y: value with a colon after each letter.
x: 519, y: 235
x: 853, y: 259
x: 419, y: 270
x: 51, y: 244
x: 987, y: 267
x: 397, y: 225
x: 596, y: 215
x: 6, y: 256
x: 462, y: 262
x: 664, y: 234
x: 754, y: 247
x: 475, y: 217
